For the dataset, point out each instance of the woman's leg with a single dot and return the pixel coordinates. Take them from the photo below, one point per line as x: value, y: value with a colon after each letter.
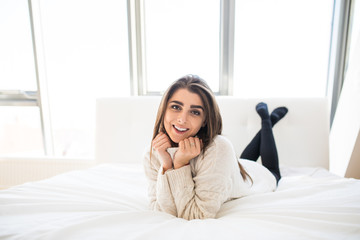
x: 268, y: 151
x: 252, y: 150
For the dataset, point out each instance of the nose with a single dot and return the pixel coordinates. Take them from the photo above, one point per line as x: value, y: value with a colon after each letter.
x: 182, y: 118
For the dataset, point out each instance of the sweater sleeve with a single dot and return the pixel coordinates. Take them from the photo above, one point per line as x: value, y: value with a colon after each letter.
x: 159, y: 192
x: 201, y: 196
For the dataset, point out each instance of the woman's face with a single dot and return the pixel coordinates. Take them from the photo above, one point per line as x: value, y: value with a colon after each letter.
x: 184, y: 115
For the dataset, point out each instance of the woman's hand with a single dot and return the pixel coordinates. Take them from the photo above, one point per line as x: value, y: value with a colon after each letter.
x: 189, y: 148
x: 160, y: 144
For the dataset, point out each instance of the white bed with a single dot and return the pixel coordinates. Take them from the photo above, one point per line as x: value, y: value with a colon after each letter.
x: 109, y: 201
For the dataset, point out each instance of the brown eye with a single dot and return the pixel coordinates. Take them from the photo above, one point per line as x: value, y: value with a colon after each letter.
x: 176, y: 107
x: 195, y: 112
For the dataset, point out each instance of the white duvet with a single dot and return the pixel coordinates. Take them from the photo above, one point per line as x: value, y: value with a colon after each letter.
x: 110, y: 201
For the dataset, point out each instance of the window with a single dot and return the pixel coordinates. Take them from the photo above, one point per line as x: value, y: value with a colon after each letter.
x: 181, y: 37
x: 85, y: 47
x: 20, y: 128
x: 16, y: 47
x: 282, y: 48
x: 87, y: 58
x: 20, y: 131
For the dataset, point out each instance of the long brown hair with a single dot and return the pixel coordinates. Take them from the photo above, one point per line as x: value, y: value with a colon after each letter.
x: 213, y: 121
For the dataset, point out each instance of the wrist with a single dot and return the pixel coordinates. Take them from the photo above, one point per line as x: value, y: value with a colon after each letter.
x: 180, y: 165
x: 166, y: 167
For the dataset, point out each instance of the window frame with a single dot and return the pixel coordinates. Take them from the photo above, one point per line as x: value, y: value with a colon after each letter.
x: 137, y: 57
x: 338, y: 52
x: 37, y: 98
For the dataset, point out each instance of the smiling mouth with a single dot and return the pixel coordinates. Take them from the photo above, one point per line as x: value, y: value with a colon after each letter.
x: 179, y: 129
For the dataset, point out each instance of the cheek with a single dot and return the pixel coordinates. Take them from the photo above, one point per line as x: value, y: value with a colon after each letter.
x: 167, y: 120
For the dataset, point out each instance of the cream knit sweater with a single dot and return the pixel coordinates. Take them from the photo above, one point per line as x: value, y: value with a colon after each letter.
x: 198, y: 190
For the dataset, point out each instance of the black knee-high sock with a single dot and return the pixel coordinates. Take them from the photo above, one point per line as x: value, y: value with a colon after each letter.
x: 252, y: 150
x: 268, y: 151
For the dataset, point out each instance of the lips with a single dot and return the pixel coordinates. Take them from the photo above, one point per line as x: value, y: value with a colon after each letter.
x: 180, y: 129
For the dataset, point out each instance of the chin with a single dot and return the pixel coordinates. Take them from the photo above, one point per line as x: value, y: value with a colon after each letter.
x: 177, y: 140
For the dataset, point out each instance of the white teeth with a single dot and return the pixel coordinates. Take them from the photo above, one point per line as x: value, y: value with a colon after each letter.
x: 180, y: 129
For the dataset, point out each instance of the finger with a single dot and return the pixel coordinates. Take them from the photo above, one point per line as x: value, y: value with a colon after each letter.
x: 160, y: 136
x: 157, y: 137
x: 192, y: 142
x: 162, y: 143
x: 166, y: 137
x: 197, y: 143
x: 187, y: 143
x: 182, y: 145
x: 156, y: 141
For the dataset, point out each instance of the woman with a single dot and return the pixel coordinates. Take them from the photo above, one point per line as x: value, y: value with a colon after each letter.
x: 192, y: 169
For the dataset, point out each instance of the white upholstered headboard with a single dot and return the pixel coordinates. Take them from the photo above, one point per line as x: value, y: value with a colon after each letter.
x: 124, y: 128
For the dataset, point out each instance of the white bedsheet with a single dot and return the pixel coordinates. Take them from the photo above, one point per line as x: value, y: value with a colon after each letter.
x: 110, y: 201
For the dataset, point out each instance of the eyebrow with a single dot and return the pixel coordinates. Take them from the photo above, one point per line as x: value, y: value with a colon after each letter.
x: 191, y: 106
